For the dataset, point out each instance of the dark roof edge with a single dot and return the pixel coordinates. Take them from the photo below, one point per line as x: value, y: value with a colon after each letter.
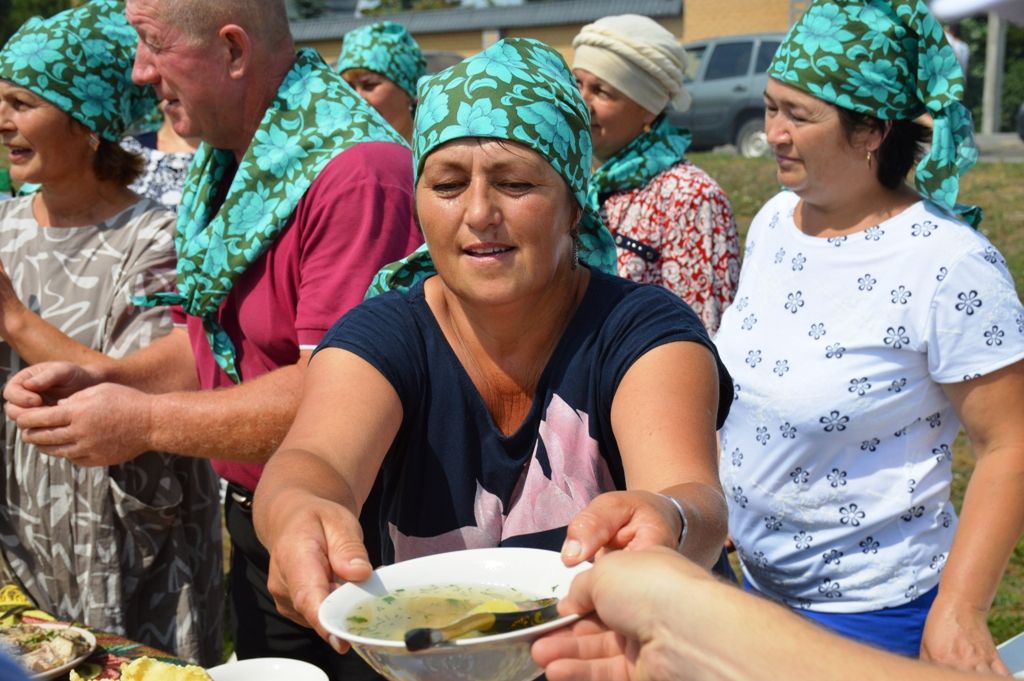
x: 333, y: 27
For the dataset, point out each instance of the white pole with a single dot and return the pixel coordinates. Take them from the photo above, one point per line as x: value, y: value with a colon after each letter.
x: 992, y: 94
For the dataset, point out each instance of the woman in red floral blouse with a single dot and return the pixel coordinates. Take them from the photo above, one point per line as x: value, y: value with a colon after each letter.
x: 672, y: 223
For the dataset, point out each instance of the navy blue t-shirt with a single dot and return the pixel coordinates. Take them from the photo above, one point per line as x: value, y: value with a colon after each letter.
x: 452, y: 479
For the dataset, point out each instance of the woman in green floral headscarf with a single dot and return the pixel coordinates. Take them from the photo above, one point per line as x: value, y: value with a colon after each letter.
x: 672, y: 223
x: 383, y: 63
x: 131, y: 548
x: 872, y: 320
x: 506, y: 398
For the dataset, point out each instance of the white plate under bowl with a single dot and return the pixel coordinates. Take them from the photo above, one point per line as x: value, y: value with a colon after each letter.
x: 68, y: 666
x: 501, y: 657
x: 1012, y: 652
x: 267, y: 669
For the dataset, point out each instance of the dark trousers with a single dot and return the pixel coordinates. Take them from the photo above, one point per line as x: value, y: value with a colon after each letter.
x: 260, y: 631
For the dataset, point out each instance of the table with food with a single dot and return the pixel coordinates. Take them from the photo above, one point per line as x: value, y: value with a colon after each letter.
x: 465, y: 615
x: 62, y: 650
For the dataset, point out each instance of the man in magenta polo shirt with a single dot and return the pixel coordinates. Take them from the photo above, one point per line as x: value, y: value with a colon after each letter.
x: 299, y: 194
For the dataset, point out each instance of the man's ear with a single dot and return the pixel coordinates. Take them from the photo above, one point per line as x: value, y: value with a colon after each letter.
x: 239, y: 49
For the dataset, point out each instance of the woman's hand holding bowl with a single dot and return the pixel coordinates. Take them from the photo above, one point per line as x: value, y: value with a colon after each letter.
x: 315, y: 544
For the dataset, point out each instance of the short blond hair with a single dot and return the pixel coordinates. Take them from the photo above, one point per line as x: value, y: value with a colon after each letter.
x: 266, y: 21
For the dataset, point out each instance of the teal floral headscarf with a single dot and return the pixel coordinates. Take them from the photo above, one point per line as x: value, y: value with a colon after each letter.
x: 80, y: 60
x: 638, y: 162
x: 313, y: 118
x: 520, y: 90
x: 888, y: 59
x: 386, y: 48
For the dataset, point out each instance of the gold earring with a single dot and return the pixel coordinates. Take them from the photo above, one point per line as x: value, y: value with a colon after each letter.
x: 94, y: 141
x: 869, y: 159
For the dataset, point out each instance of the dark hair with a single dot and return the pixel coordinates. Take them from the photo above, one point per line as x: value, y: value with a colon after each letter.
x: 112, y: 163
x: 901, y: 146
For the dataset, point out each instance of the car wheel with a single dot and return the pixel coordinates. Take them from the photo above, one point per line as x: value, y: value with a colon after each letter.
x: 1020, y: 122
x: 751, y: 140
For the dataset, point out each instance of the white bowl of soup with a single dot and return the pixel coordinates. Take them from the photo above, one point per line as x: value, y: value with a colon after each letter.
x: 374, y: 615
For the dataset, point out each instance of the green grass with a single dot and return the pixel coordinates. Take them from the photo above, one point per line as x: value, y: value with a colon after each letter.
x: 999, y: 189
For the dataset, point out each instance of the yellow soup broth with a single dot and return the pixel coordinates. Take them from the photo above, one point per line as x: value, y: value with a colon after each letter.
x: 390, y: 616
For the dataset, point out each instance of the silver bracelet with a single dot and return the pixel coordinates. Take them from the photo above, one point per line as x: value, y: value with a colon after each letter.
x: 682, y: 518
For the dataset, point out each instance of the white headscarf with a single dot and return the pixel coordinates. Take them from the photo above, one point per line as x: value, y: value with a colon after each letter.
x: 638, y: 57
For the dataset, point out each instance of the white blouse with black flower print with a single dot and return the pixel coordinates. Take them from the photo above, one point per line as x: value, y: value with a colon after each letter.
x: 836, y: 457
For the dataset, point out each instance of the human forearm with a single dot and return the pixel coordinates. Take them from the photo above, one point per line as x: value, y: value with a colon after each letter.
x: 716, y: 631
x: 35, y: 340
x: 308, y: 499
x: 956, y: 632
x: 991, y: 523
x: 752, y: 638
x: 291, y: 474
x: 706, y: 520
x: 304, y: 515
x: 245, y: 422
x: 164, y: 365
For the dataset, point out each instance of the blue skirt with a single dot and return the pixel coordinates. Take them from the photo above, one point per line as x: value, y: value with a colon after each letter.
x: 898, y: 629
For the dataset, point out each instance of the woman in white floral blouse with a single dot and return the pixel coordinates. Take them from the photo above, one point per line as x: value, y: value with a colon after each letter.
x: 872, y: 320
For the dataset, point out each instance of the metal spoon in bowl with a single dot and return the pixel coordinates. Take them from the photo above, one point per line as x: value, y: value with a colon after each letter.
x: 539, y: 612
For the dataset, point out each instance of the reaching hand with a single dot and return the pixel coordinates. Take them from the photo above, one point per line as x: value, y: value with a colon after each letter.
x: 656, y: 616
x: 958, y: 637
x: 314, y: 545
x: 103, y: 425
x: 616, y: 520
x: 635, y: 635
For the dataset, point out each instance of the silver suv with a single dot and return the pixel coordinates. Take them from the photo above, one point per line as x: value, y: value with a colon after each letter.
x: 726, y: 79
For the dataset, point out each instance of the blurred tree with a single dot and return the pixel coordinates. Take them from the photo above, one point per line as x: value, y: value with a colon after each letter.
x: 13, y: 13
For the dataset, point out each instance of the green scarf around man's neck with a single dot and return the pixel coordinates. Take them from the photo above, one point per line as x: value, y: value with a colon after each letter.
x: 314, y: 116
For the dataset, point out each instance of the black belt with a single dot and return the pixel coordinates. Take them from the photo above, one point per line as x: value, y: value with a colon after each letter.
x: 648, y: 253
x: 240, y: 495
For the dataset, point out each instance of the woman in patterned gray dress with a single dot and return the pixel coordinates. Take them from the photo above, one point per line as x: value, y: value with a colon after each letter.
x: 131, y: 548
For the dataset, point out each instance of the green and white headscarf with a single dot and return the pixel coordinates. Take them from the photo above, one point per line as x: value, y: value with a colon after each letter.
x: 520, y: 90
x: 313, y: 118
x: 888, y: 59
x: 637, y: 163
x: 386, y: 48
x: 80, y: 60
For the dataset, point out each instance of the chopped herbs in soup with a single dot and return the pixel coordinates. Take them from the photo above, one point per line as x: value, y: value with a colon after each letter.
x: 390, y: 616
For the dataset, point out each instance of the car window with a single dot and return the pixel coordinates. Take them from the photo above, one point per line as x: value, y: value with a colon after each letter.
x: 729, y: 60
x: 764, y: 55
x: 694, y: 55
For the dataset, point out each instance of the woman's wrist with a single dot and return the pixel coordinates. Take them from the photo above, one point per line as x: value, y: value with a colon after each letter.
x: 963, y: 603
x: 12, y: 318
x: 684, y: 525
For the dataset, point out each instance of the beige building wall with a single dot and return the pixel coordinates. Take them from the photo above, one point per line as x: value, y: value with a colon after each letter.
x: 328, y: 49
x: 560, y: 37
x: 464, y: 42
x: 701, y: 19
x: 467, y: 43
x: 713, y: 18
